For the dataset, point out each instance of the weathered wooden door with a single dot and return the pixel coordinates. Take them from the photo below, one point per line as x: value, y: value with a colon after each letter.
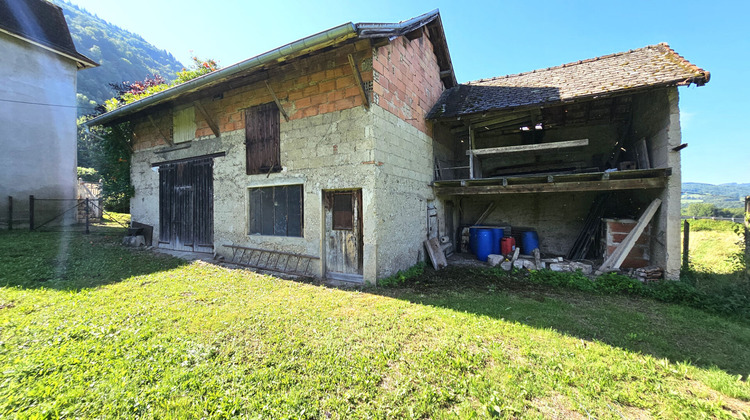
x: 186, y: 205
x: 343, y: 235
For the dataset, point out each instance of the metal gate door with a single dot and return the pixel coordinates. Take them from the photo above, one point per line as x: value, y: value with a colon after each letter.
x: 186, y: 215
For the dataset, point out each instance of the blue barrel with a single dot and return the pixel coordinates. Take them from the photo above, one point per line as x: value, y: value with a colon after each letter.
x: 473, y: 230
x: 529, y: 242
x: 497, y: 236
x: 484, y: 244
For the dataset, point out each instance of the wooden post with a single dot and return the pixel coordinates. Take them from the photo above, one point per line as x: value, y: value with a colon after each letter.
x: 31, y: 213
x: 686, y: 245
x: 10, y: 213
x: 87, y: 215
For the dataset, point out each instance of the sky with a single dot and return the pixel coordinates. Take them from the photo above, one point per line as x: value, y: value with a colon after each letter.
x: 494, y: 38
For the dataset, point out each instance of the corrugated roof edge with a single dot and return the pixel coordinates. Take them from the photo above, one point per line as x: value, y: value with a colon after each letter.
x: 661, y: 46
x: 311, y: 41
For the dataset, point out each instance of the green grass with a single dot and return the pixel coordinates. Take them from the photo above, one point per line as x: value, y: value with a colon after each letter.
x: 90, y: 329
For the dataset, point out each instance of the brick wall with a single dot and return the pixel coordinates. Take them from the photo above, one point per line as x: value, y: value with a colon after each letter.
x: 305, y: 87
x: 406, y: 79
x: 615, y: 231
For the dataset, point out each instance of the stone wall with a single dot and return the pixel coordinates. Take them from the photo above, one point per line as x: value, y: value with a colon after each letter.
x: 331, y: 142
x: 657, y: 118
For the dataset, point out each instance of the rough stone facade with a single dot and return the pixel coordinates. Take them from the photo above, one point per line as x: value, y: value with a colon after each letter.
x: 331, y: 142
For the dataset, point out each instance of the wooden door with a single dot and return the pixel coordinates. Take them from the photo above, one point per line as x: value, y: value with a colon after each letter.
x: 186, y: 205
x: 343, y: 235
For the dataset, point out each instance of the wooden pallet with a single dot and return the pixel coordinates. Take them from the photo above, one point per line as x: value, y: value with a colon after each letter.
x: 264, y: 259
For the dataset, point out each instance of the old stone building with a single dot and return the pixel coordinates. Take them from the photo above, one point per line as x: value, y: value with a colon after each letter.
x: 318, y: 148
x: 345, y: 150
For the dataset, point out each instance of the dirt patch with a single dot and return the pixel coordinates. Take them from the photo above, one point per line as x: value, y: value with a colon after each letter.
x: 737, y: 408
x: 555, y: 406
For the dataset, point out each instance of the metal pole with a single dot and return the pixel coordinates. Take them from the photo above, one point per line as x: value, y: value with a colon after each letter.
x: 87, y: 215
x: 10, y: 213
x: 686, y: 245
x: 31, y: 213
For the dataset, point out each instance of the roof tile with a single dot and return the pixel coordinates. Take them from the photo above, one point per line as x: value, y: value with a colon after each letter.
x: 654, y: 65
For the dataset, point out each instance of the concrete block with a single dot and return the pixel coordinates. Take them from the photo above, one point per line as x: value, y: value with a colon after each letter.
x: 495, y: 259
x: 559, y: 267
x: 134, y: 241
x: 584, y: 267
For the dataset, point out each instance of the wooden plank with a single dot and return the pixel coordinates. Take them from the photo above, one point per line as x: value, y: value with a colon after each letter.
x: 360, y: 83
x: 167, y: 139
x: 529, y: 147
x: 437, y: 257
x: 621, y: 252
x: 610, y: 185
x: 641, y: 154
x: 210, y: 121
x: 276, y: 100
x: 586, y: 176
x: 486, y: 213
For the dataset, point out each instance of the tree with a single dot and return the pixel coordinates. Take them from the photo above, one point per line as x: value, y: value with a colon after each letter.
x: 702, y: 210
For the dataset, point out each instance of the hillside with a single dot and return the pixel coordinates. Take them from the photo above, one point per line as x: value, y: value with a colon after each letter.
x: 122, y: 55
x: 722, y: 196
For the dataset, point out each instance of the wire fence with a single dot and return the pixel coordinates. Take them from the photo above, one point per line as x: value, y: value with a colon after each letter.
x: 50, y: 214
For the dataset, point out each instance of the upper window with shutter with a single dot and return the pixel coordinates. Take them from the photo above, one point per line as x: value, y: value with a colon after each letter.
x: 262, y: 139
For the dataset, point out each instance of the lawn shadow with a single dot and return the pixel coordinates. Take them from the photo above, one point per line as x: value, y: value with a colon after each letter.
x: 676, y: 333
x: 72, y: 260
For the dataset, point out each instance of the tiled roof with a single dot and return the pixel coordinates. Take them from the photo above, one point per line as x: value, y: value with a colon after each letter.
x: 654, y: 65
x: 40, y: 22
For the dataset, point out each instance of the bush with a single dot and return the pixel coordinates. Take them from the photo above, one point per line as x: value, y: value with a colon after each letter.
x: 403, y: 276
x: 576, y: 280
x: 613, y: 283
x: 88, y: 174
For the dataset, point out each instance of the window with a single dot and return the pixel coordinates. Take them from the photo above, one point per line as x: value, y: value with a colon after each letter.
x: 262, y: 139
x: 276, y: 211
x: 183, y: 125
x: 343, y: 216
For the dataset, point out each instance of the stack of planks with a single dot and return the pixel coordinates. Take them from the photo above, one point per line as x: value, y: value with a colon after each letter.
x: 587, y: 236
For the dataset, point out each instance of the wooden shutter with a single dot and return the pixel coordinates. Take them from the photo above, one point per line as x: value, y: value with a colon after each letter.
x: 262, y: 139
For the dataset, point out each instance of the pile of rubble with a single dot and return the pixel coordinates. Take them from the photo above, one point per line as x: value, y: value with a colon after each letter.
x: 535, y: 262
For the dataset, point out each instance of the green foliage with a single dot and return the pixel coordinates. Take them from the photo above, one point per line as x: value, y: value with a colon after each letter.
x: 402, y: 277
x: 702, y: 210
x: 613, y: 283
x: 89, y: 329
x: 697, y: 225
x: 576, y: 280
x: 197, y: 69
x: 122, y: 55
x: 88, y: 174
x: 723, y: 196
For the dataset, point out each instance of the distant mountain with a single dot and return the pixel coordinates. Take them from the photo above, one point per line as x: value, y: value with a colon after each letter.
x: 722, y: 196
x: 122, y: 55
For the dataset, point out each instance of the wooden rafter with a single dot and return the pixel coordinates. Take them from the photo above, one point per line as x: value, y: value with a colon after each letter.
x: 358, y: 79
x: 167, y: 139
x: 529, y: 147
x: 210, y: 121
x: 276, y: 100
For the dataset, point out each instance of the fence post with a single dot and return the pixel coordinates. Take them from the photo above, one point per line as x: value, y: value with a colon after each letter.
x: 31, y: 213
x: 10, y: 212
x: 87, y: 215
x: 686, y: 246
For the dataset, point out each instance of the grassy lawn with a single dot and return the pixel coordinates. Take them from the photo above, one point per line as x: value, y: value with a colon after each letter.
x: 90, y: 329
